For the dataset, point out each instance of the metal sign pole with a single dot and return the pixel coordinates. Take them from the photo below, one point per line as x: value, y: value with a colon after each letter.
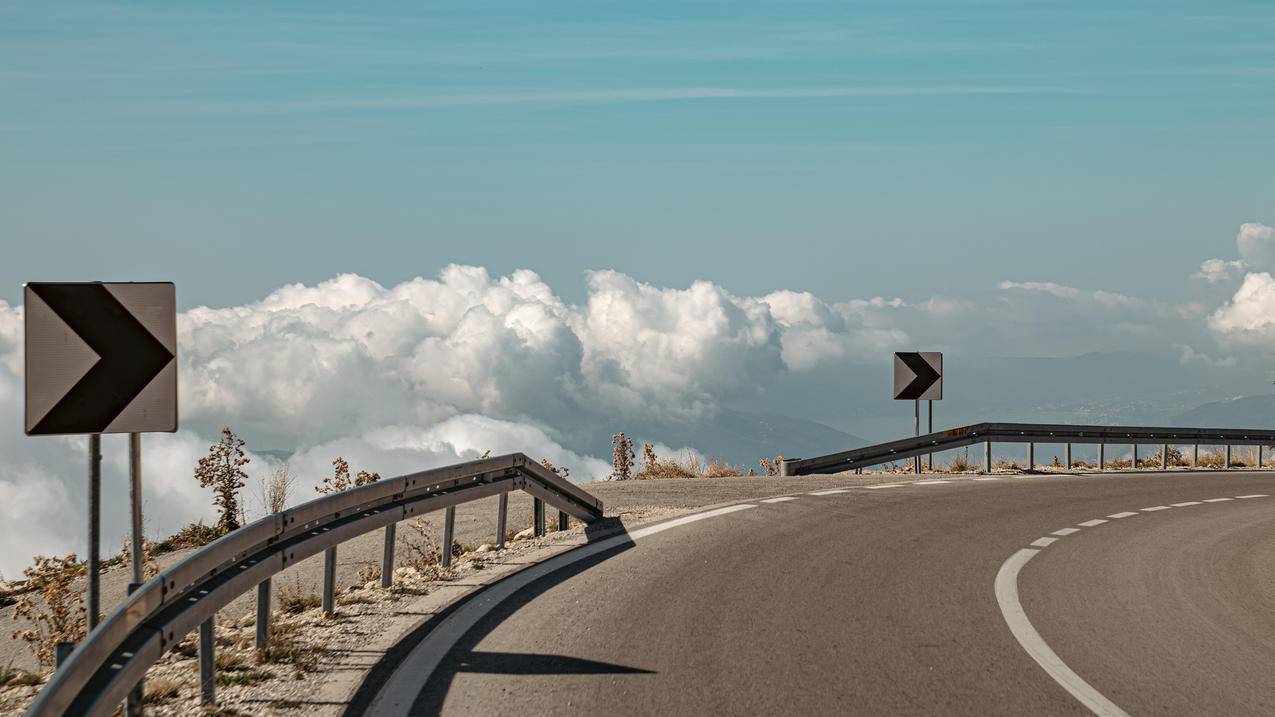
x: 930, y: 427
x: 95, y: 527
x: 916, y: 462
x: 133, y: 706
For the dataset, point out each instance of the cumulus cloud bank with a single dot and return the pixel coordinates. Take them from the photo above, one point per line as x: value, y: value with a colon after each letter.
x: 432, y: 371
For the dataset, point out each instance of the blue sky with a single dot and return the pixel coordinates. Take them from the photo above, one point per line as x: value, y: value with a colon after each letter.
x: 851, y: 149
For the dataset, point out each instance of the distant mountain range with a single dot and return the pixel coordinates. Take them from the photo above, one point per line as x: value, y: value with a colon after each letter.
x: 1243, y: 412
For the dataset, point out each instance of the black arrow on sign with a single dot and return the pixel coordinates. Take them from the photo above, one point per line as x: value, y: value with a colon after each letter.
x: 925, y: 375
x: 129, y: 357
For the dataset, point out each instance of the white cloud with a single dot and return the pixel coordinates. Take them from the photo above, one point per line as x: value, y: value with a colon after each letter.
x: 1249, y: 317
x: 1256, y: 244
x: 1217, y: 270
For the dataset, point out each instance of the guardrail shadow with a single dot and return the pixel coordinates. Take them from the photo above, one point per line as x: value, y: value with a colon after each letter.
x: 464, y: 658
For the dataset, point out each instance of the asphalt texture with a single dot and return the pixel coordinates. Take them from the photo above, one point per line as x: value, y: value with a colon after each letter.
x: 881, y: 601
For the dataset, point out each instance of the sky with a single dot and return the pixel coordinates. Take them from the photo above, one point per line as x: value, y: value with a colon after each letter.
x: 410, y: 233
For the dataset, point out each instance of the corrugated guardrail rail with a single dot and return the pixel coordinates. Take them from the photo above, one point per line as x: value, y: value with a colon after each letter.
x: 990, y: 433
x: 156, y: 617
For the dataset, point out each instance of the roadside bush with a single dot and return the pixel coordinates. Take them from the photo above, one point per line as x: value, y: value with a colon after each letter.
x: 222, y: 470
x: 340, y: 478
x: 621, y: 457
x: 52, y: 608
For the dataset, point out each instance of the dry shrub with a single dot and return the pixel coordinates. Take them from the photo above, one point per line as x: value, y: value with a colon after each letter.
x: 424, y: 554
x: 961, y: 463
x: 621, y: 457
x: 222, y: 470
x: 295, y: 598
x: 340, y: 478
x: 560, y: 471
x: 193, y: 535
x: 52, y: 608
x: 721, y: 469
x: 368, y: 572
x: 772, y: 467
x: 275, y: 488
x: 1003, y: 464
x: 687, y: 466
x: 1118, y: 463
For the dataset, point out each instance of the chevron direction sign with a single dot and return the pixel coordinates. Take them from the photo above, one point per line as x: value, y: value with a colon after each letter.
x: 100, y: 358
x: 918, y: 375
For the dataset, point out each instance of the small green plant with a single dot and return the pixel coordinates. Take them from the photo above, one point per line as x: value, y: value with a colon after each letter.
x: 222, y: 470
x: 10, y: 675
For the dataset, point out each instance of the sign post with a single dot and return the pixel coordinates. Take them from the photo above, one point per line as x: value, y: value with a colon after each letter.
x: 102, y: 358
x: 918, y: 376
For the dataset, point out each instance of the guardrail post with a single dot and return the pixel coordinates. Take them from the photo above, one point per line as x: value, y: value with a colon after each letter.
x: 329, y: 582
x: 207, y: 679
x: 263, y: 615
x: 1259, y: 457
x: 61, y: 651
x: 1133, y: 461
x: 1031, y: 456
x: 987, y: 457
x: 1102, y: 455
x: 538, y: 517
x: 1068, y: 456
x: 1195, y: 455
x: 502, y: 517
x: 564, y: 521
x: 1227, y: 463
x: 387, y: 556
x: 1164, y: 457
x: 449, y: 530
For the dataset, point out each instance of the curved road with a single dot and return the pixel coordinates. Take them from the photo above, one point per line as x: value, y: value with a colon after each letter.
x: 881, y: 601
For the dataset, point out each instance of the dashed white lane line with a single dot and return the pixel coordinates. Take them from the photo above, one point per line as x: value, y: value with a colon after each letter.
x: 1031, y: 641
x: 781, y: 499
x: 931, y: 482
x: 886, y: 485
x: 1025, y: 633
x: 834, y: 491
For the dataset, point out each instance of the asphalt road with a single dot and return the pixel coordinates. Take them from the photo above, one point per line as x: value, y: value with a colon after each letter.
x: 882, y: 601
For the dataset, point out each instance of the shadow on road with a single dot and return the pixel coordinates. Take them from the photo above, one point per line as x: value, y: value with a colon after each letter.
x: 464, y: 658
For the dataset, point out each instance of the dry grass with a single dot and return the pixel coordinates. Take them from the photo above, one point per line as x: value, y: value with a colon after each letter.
x: 295, y: 599
x: 159, y: 689
x: 285, y: 647
x: 961, y: 463
x: 275, y: 488
x: 721, y: 469
x: 51, y: 608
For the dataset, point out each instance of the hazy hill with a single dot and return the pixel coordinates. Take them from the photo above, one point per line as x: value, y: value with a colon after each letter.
x: 1244, y: 412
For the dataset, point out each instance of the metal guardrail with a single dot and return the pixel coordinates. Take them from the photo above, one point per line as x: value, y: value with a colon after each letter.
x: 1031, y: 433
x: 156, y: 617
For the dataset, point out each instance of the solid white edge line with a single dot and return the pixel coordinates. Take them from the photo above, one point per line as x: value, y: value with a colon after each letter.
x: 780, y: 499
x: 411, y: 676
x: 931, y: 482
x: 1034, y: 645
x: 829, y: 492
x: 885, y: 485
x: 988, y: 478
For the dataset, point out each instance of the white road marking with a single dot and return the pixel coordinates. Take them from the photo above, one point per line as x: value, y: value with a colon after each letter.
x: 1031, y: 641
x: 1154, y: 508
x: 410, y: 677
x: 1125, y: 514
x: 1216, y: 500
x: 1255, y: 495
x: 988, y: 478
x: 1065, y: 531
x: 1044, y: 542
x: 780, y: 499
x: 829, y: 492
x: 1092, y: 523
x: 931, y: 482
x: 886, y: 485
x: 1185, y: 504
